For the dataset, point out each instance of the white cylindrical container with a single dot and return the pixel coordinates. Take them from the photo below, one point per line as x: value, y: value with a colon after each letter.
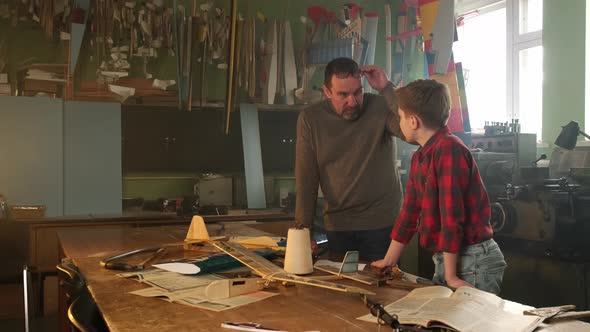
x: 298, y: 258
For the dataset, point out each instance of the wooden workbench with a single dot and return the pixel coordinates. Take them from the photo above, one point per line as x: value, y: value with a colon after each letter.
x: 297, y: 308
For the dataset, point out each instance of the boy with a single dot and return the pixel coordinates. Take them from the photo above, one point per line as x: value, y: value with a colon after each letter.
x: 446, y: 201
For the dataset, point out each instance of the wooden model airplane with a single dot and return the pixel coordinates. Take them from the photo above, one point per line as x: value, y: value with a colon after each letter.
x: 349, y: 269
x: 259, y: 265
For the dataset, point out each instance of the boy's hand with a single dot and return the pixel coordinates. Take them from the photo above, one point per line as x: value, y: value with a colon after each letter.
x: 456, y: 282
x: 381, y: 264
x: 376, y: 77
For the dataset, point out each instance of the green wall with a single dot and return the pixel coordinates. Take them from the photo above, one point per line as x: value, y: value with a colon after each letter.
x: 563, y: 65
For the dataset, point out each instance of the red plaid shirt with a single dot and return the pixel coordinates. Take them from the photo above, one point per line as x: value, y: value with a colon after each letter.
x: 446, y: 201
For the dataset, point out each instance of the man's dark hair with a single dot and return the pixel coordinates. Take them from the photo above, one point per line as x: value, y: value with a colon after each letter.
x: 428, y: 99
x: 341, y: 68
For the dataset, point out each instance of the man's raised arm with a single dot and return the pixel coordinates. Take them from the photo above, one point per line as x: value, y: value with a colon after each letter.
x: 377, y: 79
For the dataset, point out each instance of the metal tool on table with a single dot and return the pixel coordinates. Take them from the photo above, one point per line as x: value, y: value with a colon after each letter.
x: 385, y: 318
x: 113, y: 263
x: 553, y: 314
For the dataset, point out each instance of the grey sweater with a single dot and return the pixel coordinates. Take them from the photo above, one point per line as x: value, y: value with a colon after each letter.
x: 352, y: 161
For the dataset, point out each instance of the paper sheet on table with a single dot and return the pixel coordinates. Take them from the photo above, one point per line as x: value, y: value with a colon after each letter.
x: 195, y: 297
x: 182, y: 268
x: 170, y: 281
x: 467, y: 309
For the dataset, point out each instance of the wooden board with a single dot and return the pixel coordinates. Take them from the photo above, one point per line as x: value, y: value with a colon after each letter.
x: 270, y: 87
x: 290, y: 69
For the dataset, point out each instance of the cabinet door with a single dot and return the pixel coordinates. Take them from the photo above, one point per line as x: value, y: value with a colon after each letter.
x: 92, y: 158
x: 31, y: 153
x: 277, y: 140
x: 179, y: 144
x: 146, y: 140
x: 209, y: 149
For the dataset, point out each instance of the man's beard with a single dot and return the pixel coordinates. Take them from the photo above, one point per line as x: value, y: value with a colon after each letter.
x: 351, y: 113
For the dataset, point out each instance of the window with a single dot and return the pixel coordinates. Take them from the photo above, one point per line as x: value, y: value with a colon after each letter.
x: 530, y: 87
x: 482, y: 52
x: 530, y: 16
x: 500, y: 47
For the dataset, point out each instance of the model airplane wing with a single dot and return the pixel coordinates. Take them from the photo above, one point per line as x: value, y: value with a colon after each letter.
x: 269, y: 271
x: 287, y: 277
x: 348, y: 269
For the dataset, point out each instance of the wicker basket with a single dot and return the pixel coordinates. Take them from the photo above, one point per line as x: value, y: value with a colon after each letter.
x: 27, y: 211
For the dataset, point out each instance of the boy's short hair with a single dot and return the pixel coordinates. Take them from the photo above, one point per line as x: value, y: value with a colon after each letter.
x: 341, y: 68
x: 428, y: 99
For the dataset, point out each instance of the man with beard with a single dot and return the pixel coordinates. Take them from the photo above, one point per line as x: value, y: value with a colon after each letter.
x: 344, y: 145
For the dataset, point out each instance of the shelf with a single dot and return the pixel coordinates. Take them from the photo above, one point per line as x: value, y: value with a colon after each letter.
x: 281, y: 107
x: 173, y: 106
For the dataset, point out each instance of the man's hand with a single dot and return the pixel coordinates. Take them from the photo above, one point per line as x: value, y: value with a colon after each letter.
x: 314, y: 247
x: 376, y: 77
x: 456, y: 282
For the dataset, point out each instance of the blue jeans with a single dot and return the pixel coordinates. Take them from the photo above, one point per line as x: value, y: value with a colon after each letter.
x: 372, y: 245
x: 481, y: 265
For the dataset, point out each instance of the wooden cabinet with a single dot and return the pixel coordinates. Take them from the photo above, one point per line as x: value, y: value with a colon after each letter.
x: 156, y: 140
x: 63, y: 155
x: 168, y: 140
x: 149, y: 139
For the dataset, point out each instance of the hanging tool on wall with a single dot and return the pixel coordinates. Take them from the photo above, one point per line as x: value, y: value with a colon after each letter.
x: 203, y: 36
x: 239, y: 57
x: 191, y: 28
x: 229, y: 102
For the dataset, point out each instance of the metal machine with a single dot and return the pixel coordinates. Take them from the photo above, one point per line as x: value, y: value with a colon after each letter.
x: 540, y: 215
x: 523, y: 146
x: 549, y: 207
x: 499, y: 157
x: 497, y: 170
